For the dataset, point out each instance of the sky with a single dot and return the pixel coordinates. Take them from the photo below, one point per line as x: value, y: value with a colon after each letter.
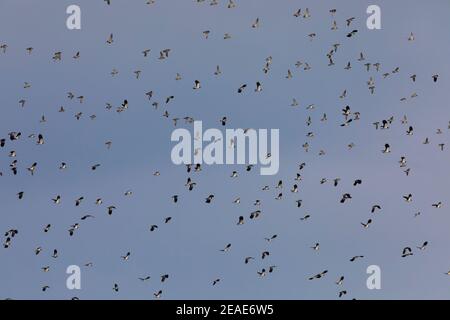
x: 188, y: 248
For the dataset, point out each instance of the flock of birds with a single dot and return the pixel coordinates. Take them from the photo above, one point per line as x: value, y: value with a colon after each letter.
x: 376, y: 72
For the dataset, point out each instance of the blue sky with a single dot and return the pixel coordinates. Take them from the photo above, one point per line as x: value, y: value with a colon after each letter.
x: 188, y: 247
